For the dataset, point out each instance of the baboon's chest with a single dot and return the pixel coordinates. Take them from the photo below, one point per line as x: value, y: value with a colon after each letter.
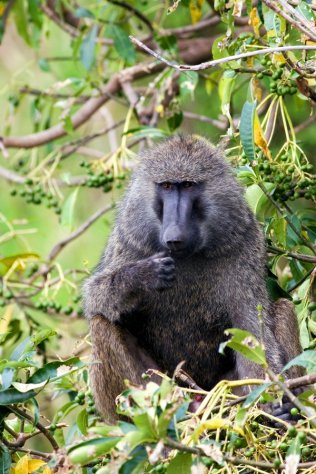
x: 187, y: 323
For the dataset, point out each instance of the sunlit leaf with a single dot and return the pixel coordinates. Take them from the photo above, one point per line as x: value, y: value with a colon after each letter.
x: 89, y: 450
x: 246, y: 344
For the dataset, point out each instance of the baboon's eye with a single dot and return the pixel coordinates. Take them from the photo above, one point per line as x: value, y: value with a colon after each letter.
x: 166, y: 185
x: 187, y: 184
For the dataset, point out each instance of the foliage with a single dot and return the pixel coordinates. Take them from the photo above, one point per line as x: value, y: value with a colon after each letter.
x: 79, y: 100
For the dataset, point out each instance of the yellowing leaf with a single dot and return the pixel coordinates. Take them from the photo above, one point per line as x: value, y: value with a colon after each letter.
x: 214, y: 424
x: 254, y: 20
x: 6, y: 319
x: 22, y: 466
x: 35, y: 464
x: 196, y: 10
x: 259, y: 138
x: 2, y: 8
x: 238, y: 7
x: 256, y: 89
x: 279, y: 58
x: 47, y: 470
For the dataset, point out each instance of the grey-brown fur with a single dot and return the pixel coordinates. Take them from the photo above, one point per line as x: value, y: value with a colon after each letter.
x: 140, y: 319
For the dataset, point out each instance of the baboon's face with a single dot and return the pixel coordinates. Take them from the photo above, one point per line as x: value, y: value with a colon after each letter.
x: 179, y: 208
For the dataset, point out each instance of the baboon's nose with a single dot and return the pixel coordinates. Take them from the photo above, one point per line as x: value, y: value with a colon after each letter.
x: 175, y: 245
x: 174, y: 238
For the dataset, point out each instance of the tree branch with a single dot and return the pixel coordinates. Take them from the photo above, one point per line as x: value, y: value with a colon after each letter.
x: 216, y: 62
x: 74, y: 235
x: 290, y: 15
x: 297, y: 256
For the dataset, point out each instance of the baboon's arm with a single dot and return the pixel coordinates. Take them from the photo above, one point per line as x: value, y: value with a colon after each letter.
x: 116, y: 357
x: 119, y: 291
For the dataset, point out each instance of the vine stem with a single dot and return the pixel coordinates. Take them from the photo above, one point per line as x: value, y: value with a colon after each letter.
x: 215, y: 62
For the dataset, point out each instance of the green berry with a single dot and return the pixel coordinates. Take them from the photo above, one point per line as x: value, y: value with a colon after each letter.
x: 294, y: 411
x: 277, y: 463
x: 302, y: 437
x: 306, y: 452
x: 29, y: 181
x: 67, y: 310
x: 13, y: 192
x: 312, y: 306
x: 292, y: 431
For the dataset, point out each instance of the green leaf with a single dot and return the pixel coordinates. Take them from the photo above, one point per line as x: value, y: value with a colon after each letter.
x: 5, y: 460
x: 11, y: 396
x: 67, y: 213
x: 188, y: 82
x: 26, y: 387
x: 225, y: 89
x: 82, y: 12
x: 258, y: 201
x: 246, y: 344
x: 67, y: 124
x: 246, y: 129
x: 135, y: 464
x: 50, y: 370
x: 146, y: 132
x: 90, y: 450
x: 43, y: 64
x: 293, y: 455
x: 180, y: 464
x: 82, y: 421
x: 307, y: 359
x: 122, y: 43
x: 21, y: 20
x: 87, y: 48
x: 175, y: 121
x: 255, y: 394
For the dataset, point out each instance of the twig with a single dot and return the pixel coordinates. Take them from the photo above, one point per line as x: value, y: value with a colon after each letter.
x: 292, y: 397
x: 301, y: 126
x: 230, y: 459
x: 280, y: 210
x: 216, y: 62
x: 74, y: 235
x: 38, y: 454
x: 288, y: 13
x: 86, y: 111
x: 134, y: 10
x: 298, y: 283
x: 39, y: 426
x: 6, y: 13
x: 54, y: 95
x: 297, y: 256
x: 221, y: 124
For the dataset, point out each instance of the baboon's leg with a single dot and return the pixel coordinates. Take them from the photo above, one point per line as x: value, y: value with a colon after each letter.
x: 287, y: 333
x: 116, y: 356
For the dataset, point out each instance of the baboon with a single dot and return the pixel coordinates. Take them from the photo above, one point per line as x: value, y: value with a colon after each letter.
x: 185, y: 261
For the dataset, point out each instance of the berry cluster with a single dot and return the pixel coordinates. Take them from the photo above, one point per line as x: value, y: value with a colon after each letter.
x: 36, y: 194
x: 280, y: 84
x: 291, y: 180
x: 55, y: 306
x: 101, y: 179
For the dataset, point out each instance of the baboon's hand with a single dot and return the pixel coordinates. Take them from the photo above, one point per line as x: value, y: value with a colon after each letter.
x: 157, y: 272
